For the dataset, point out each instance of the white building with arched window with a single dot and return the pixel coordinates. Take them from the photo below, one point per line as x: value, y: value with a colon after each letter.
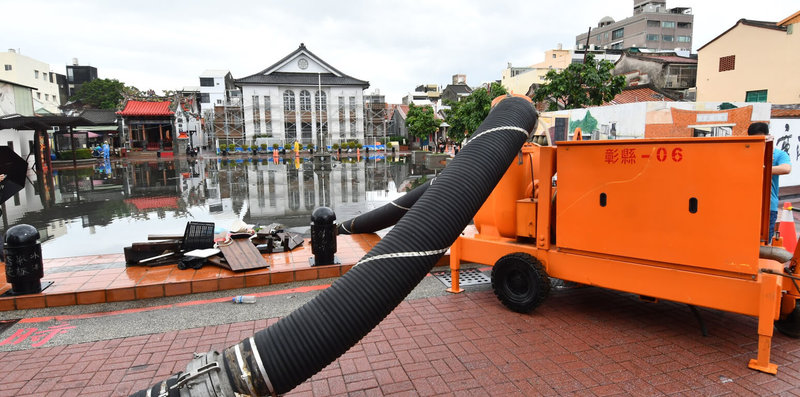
x: 302, y: 98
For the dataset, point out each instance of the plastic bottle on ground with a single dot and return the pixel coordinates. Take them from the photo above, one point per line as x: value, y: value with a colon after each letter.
x: 244, y: 299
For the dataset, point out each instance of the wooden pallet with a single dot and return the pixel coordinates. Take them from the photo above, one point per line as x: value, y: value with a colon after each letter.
x: 240, y: 254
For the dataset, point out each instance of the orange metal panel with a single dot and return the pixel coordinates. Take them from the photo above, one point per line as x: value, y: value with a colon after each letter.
x: 526, y: 218
x: 695, y: 202
x: 499, y: 211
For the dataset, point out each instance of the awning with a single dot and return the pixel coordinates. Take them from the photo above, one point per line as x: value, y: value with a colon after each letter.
x: 44, y: 122
x: 97, y: 128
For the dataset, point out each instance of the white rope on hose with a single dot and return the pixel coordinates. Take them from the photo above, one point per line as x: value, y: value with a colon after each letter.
x: 402, y: 255
x: 351, y: 226
x: 260, y: 365
x: 399, y: 206
x: 522, y: 130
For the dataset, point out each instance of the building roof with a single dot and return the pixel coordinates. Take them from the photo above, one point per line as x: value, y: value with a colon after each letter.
x: 401, y: 110
x: 661, y: 58
x: 268, y: 76
x: 786, y: 111
x: 641, y: 93
x: 748, y: 22
x: 458, y: 88
x: 794, y: 18
x: 143, y: 108
x: 100, y: 116
x: 18, y: 84
x: 147, y: 203
x: 214, y: 73
x: 306, y: 79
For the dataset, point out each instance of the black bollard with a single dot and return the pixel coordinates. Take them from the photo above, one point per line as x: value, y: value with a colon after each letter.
x: 323, y: 236
x: 24, y: 269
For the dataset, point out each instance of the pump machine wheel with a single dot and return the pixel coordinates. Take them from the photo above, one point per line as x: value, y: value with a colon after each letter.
x: 520, y: 282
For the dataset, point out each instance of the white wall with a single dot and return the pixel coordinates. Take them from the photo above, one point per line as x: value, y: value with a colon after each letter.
x: 276, y: 106
x: 786, y: 135
x: 23, y: 71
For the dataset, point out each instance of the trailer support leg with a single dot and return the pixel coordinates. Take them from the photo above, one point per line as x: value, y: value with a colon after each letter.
x: 455, y: 267
x: 766, y: 318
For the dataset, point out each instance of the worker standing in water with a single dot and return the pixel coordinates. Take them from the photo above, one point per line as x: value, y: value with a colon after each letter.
x: 781, y: 165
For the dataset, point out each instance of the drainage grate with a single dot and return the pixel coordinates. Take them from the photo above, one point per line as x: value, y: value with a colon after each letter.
x: 465, y: 277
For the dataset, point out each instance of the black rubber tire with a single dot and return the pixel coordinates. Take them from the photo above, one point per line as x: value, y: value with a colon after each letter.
x: 520, y: 282
x: 790, y: 325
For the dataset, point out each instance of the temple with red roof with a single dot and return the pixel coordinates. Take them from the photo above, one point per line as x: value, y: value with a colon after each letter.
x: 147, y: 126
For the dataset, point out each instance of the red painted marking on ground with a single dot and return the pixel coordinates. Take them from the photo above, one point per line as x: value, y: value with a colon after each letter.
x: 92, y: 315
x: 182, y: 304
x: 645, y: 156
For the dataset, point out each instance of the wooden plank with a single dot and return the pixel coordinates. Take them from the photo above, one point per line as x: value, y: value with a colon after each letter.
x: 165, y: 245
x: 241, y: 254
x: 165, y: 237
x: 219, y: 261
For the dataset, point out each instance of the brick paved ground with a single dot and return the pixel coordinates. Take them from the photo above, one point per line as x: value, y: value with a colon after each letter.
x: 583, y: 341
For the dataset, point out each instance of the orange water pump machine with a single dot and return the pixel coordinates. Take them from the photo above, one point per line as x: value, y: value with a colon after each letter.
x: 676, y: 219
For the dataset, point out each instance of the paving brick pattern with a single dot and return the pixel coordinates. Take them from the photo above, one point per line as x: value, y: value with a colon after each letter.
x: 581, y: 342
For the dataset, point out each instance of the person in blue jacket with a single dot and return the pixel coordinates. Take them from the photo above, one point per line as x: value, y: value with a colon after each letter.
x: 781, y: 165
x: 106, y: 150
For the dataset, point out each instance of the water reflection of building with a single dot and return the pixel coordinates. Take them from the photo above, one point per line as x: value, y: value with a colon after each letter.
x: 109, y: 198
x: 263, y: 192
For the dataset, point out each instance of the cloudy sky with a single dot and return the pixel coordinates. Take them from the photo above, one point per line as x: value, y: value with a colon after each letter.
x: 394, y: 45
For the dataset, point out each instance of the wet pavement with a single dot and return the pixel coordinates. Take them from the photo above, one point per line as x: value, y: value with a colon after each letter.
x: 581, y: 341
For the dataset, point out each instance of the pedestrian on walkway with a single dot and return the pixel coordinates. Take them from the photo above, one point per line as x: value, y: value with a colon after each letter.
x: 781, y: 165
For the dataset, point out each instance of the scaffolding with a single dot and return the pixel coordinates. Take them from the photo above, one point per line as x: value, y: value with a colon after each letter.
x: 228, y: 121
x: 375, y: 118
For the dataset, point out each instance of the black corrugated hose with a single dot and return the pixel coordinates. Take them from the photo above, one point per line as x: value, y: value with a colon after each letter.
x: 385, y: 216
x: 282, y: 356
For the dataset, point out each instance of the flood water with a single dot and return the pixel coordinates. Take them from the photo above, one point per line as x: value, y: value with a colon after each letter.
x: 105, y: 206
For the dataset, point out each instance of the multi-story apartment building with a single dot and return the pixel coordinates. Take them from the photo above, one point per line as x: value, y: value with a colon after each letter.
x: 424, y: 95
x: 220, y: 107
x: 26, y: 71
x: 78, y: 75
x: 518, y: 80
x: 215, y: 88
x: 652, y: 26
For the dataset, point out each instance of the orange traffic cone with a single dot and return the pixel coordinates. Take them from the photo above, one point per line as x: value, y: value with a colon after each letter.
x: 786, y: 227
x: 577, y: 135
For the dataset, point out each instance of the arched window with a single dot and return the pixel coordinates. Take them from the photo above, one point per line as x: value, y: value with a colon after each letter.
x: 288, y: 101
x: 322, y: 102
x: 305, y: 101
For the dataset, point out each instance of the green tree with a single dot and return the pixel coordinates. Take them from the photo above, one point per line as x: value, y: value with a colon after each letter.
x: 100, y: 93
x: 421, y: 121
x: 466, y: 115
x: 580, y: 85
